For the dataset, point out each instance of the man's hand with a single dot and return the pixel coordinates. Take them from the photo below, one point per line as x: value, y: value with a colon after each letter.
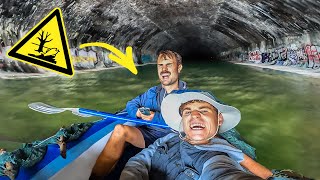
x: 145, y: 117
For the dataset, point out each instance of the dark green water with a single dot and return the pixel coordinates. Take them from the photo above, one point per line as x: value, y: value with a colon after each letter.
x: 280, y: 111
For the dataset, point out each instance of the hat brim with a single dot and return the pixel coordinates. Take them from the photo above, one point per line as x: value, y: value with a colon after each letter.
x: 172, y: 102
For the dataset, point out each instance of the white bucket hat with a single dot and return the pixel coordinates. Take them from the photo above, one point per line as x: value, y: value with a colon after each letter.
x: 172, y: 102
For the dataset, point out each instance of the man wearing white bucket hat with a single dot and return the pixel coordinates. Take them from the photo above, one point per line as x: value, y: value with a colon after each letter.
x: 195, y: 151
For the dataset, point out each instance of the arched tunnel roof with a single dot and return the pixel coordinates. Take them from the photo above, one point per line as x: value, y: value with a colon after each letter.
x: 187, y: 26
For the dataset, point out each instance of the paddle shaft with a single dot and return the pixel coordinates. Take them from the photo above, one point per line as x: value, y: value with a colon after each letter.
x: 121, y: 118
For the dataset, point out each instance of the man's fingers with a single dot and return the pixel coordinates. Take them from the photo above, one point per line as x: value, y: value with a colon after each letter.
x: 148, y: 118
x: 139, y: 114
x: 145, y: 117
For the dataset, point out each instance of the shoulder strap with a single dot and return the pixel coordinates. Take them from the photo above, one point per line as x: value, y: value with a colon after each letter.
x: 158, y: 95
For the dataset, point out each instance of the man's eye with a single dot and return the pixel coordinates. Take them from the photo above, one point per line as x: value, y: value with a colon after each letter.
x: 187, y: 113
x: 203, y: 111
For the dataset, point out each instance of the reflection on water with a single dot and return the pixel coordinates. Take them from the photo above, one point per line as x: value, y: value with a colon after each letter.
x: 280, y: 115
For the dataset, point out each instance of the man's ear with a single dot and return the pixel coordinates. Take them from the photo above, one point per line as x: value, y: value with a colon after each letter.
x: 179, y: 68
x: 220, y: 119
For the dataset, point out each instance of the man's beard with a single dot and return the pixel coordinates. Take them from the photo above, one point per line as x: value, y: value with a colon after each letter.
x: 169, y: 83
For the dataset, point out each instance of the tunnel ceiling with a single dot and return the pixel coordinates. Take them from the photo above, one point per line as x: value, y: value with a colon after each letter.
x: 200, y: 26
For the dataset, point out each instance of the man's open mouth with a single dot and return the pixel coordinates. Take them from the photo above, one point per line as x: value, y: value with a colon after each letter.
x: 197, y: 126
x: 165, y: 75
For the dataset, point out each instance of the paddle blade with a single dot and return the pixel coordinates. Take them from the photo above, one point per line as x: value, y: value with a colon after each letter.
x: 45, y: 108
x: 48, y: 109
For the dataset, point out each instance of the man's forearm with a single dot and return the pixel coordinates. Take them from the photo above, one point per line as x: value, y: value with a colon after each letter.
x: 256, y: 168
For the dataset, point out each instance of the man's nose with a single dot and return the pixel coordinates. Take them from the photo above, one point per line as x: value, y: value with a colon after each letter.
x: 195, y: 114
x: 164, y: 68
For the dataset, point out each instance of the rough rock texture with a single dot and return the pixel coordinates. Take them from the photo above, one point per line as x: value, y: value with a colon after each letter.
x: 191, y: 27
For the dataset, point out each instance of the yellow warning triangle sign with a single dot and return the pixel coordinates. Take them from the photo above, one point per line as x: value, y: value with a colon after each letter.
x: 46, y: 45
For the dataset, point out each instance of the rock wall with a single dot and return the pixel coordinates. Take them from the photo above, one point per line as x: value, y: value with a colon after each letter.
x: 194, y: 27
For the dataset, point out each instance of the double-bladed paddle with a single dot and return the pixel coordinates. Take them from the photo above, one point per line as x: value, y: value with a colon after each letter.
x: 48, y: 109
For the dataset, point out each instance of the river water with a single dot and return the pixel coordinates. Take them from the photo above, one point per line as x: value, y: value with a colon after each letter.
x: 280, y: 111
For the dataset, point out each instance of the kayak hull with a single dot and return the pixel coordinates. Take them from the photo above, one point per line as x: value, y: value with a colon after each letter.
x: 81, y: 155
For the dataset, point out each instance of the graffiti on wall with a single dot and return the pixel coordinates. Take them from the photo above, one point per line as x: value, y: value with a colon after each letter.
x: 83, y: 59
x: 313, y: 56
x: 255, y: 56
x: 292, y: 57
x: 307, y: 56
x: 146, y: 58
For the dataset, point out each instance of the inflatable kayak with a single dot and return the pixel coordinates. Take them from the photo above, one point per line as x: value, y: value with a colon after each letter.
x: 69, y: 154
x: 81, y: 155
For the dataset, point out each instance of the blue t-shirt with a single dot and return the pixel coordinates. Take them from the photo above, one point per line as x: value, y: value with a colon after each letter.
x: 152, y: 99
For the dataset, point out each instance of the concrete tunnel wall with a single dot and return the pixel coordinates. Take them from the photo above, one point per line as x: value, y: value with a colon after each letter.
x: 223, y: 29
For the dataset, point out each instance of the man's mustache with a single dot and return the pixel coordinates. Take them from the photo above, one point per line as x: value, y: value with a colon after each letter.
x: 165, y: 72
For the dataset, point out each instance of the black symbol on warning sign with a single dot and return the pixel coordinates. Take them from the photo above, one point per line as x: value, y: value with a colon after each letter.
x: 50, y: 53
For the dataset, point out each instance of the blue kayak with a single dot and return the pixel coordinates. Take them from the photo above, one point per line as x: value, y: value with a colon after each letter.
x: 80, y: 158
